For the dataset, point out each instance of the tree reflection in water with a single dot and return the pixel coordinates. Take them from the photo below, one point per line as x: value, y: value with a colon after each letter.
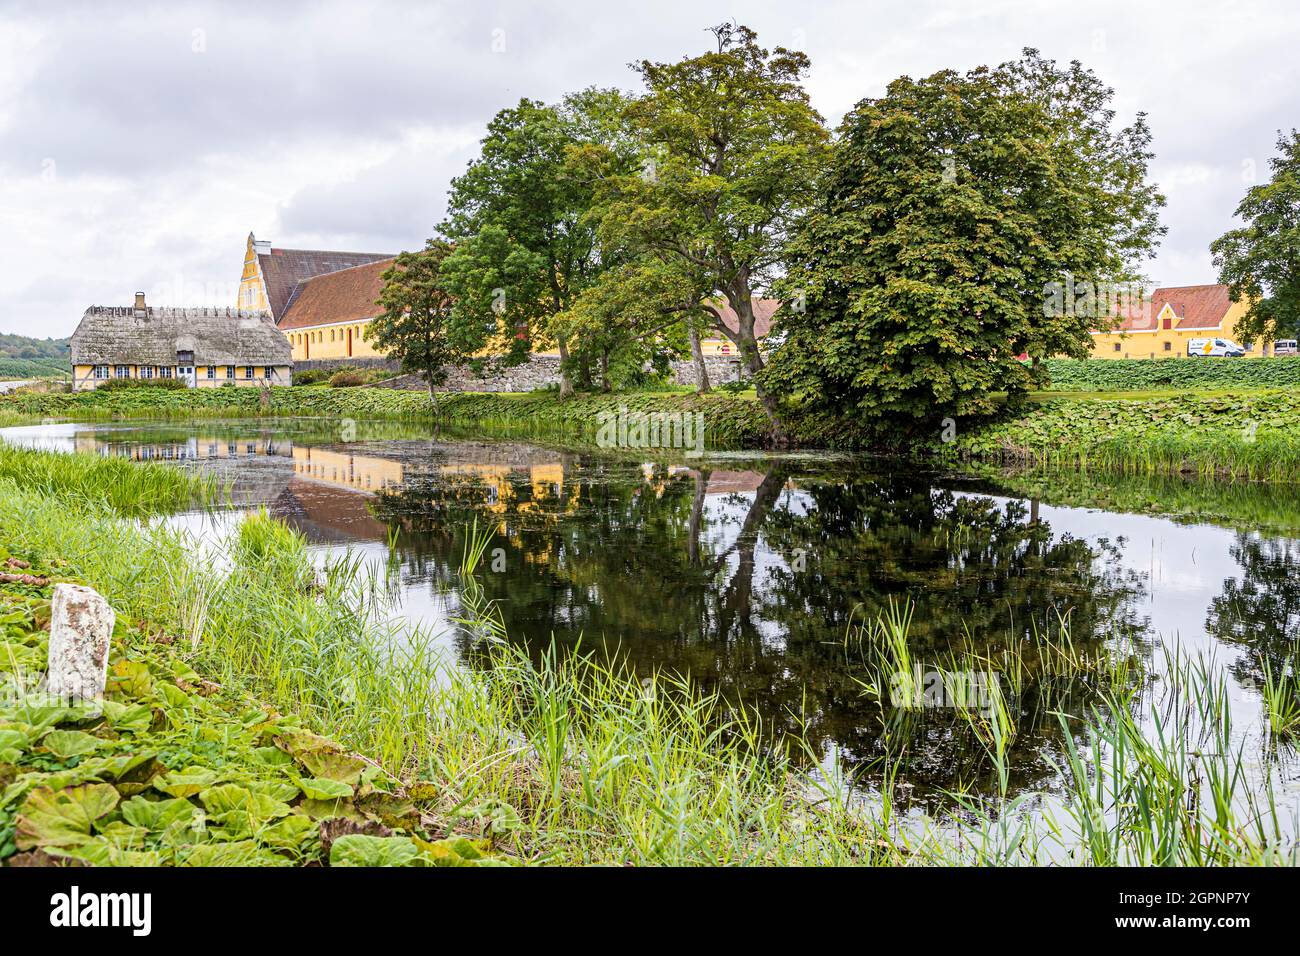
x: 752, y: 581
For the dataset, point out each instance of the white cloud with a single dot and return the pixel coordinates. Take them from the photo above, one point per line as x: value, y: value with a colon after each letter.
x: 129, y: 159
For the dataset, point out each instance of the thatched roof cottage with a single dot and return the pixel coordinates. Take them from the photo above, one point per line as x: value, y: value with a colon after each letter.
x: 202, y: 347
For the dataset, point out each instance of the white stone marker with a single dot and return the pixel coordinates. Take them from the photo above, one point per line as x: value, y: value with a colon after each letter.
x: 81, y: 625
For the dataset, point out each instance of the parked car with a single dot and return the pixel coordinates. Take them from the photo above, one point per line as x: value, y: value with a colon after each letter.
x: 1285, y: 347
x: 1200, y: 348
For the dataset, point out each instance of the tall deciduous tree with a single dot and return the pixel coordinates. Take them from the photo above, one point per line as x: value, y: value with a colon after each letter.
x: 953, y: 205
x: 419, y: 324
x: 732, y: 153
x: 525, y: 245
x: 1261, y: 260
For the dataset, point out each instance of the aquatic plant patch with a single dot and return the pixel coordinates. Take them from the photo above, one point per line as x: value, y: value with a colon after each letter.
x: 178, y: 771
x: 1171, y: 373
x: 1255, y: 436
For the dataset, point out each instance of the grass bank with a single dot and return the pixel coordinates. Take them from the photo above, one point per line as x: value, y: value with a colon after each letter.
x: 233, y: 402
x: 728, y: 421
x: 1264, y: 507
x: 1250, y: 435
x: 1239, y: 434
x: 229, y: 669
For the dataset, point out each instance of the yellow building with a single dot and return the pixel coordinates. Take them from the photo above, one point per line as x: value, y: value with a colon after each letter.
x: 718, y: 344
x: 324, y: 300
x: 1169, y: 319
x: 271, y: 275
x: 200, y: 347
x: 327, y: 315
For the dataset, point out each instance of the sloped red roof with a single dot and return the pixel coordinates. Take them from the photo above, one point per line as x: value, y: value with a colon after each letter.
x: 764, y: 309
x: 347, y: 295
x: 283, y: 269
x: 1196, y: 306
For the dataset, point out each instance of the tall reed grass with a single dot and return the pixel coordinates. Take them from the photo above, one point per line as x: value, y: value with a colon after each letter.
x: 122, y: 485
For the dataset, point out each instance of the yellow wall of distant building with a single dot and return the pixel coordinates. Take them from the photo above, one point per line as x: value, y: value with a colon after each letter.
x: 341, y: 341
x: 1172, y: 342
x: 252, y: 291
x: 83, y: 376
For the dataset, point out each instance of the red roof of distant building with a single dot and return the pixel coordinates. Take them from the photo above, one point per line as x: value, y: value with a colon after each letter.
x: 764, y: 310
x: 1196, y: 307
x: 283, y: 269
x: 347, y: 295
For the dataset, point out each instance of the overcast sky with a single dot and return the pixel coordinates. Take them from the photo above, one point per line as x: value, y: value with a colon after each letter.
x: 140, y: 144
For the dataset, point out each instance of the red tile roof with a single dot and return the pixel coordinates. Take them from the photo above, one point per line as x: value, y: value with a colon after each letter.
x: 764, y: 309
x: 1196, y: 307
x: 347, y: 295
x: 283, y: 269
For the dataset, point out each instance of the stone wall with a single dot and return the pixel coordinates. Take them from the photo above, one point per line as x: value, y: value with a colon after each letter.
x: 539, y: 371
x: 721, y: 369
x: 329, y: 365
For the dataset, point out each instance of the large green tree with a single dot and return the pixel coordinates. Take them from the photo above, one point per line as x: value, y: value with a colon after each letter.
x: 525, y: 244
x: 419, y: 325
x: 641, y: 311
x: 1261, y: 261
x: 953, y: 205
x: 731, y: 155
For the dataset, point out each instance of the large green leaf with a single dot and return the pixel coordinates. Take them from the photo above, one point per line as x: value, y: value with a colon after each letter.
x: 62, y: 817
x: 128, y: 718
x: 159, y: 815
x: 295, y: 832
x: 70, y: 743
x: 341, y: 767
x: 187, y: 782
x: 321, y: 788
x: 357, y: 849
x: 232, y: 797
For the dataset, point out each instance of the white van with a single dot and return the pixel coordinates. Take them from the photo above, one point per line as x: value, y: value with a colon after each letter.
x: 1285, y: 347
x: 1197, y: 348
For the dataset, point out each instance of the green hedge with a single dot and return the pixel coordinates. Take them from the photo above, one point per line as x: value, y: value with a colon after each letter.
x: 1140, y: 374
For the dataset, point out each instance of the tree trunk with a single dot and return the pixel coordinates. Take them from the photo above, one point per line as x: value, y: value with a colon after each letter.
x: 605, y: 384
x: 697, y: 515
x: 701, y: 370
x: 566, y: 385
x: 742, y: 301
x: 433, y: 395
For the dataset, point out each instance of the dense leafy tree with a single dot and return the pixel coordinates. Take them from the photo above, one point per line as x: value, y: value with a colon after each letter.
x: 418, y: 325
x: 953, y: 204
x: 731, y: 154
x: 525, y: 244
x: 637, y: 313
x: 1261, y: 260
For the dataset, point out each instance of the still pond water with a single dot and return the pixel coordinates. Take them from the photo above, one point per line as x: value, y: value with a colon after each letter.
x: 751, y: 573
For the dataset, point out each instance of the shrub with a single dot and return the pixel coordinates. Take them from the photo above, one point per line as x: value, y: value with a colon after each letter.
x: 347, y: 378
x: 310, y: 376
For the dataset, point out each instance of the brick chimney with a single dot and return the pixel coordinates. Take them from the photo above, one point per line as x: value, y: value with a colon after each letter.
x: 140, y: 310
